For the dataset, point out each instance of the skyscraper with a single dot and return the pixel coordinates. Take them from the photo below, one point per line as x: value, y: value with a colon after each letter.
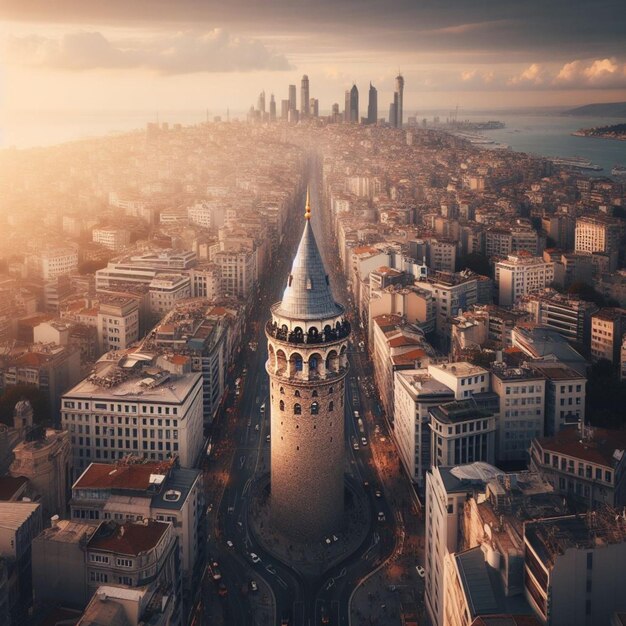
x: 284, y: 109
x: 292, y: 97
x: 314, y: 107
x: 399, y: 105
x: 261, y: 102
x: 346, y: 111
x: 305, y: 109
x: 307, y: 364
x: 272, y: 109
x: 372, y: 105
x: 354, y: 104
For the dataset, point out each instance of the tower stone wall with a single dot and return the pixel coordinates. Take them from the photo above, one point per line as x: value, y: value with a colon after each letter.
x: 307, y: 365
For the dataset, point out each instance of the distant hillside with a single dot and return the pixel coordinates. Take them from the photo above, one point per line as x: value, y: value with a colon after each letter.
x: 605, y: 109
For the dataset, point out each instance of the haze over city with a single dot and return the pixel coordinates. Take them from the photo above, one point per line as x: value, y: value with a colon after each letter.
x: 312, y: 313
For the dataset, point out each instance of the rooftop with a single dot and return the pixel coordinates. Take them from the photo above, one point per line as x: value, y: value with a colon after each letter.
x: 602, y: 446
x: 131, y: 476
x: 128, y: 538
x: 458, y: 411
x: 14, y: 514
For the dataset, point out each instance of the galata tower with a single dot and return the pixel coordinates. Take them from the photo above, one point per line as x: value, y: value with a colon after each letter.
x: 307, y: 365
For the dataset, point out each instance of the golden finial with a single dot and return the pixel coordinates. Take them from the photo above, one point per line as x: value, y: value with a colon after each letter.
x: 307, y: 208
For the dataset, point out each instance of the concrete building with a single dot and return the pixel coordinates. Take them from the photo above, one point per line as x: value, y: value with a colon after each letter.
x: 565, y: 396
x: 520, y: 275
x: 584, y: 463
x: 463, y: 378
x: 115, y: 239
x: 46, y: 463
x: 305, y: 104
x: 132, y: 490
x: 53, y: 262
x: 461, y: 433
x: 166, y: 290
x: 72, y: 560
x: 118, y: 323
x: 129, y: 405
x: 598, y: 233
x: 570, y: 568
x: 307, y: 364
x: 521, y: 392
x: 607, y: 329
x: 415, y: 393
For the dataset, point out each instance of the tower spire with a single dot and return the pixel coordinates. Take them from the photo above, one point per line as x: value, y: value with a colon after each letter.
x: 307, y: 208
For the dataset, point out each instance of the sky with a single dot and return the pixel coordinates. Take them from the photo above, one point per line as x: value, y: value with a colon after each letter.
x: 78, y: 56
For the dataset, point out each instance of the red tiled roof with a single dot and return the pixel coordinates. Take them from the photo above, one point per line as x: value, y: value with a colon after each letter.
x: 128, y: 538
x: 120, y: 476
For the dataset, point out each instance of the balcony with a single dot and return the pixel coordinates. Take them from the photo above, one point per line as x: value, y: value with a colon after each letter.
x: 329, y: 335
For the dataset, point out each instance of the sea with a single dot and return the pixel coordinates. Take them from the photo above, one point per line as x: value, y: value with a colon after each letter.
x: 540, y: 133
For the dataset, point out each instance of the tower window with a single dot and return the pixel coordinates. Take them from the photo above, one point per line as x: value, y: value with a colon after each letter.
x: 282, y: 390
x: 331, y: 406
x: 314, y: 394
x: 282, y: 405
x: 297, y: 409
x: 296, y: 393
x: 315, y: 408
x: 331, y: 390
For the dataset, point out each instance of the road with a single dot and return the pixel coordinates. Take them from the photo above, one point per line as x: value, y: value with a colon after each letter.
x: 241, y: 453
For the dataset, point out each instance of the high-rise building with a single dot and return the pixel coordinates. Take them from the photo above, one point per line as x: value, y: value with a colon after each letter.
x: 335, y: 113
x: 272, y: 108
x: 354, y: 104
x: 372, y: 105
x: 598, y: 233
x: 261, y: 102
x: 284, y: 109
x: 292, y: 98
x: 314, y: 107
x: 520, y: 275
x: 399, y: 102
x: 307, y: 364
x: 392, y: 113
x: 346, y: 111
x: 305, y: 105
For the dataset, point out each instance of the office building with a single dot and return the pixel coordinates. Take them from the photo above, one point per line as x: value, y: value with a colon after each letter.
x: 399, y: 101
x: 521, y: 275
x: 305, y: 105
x: 292, y: 98
x: 372, y: 105
x: 272, y: 108
x: 130, y: 405
x: 607, y: 329
x: 598, y: 233
x: 354, y: 105
x: 115, y: 239
x: 118, y: 323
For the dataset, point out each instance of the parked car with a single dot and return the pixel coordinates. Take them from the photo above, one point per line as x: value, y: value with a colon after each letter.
x: 420, y: 571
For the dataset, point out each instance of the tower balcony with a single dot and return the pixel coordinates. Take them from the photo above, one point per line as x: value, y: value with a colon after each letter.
x: 323, y: 336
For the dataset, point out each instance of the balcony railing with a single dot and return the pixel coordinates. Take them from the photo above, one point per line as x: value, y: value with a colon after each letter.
x: 324, y: 336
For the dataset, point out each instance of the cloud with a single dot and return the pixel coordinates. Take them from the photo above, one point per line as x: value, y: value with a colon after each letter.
x: 534, y: 75
x: 180, y: 53
x: 599, y: 73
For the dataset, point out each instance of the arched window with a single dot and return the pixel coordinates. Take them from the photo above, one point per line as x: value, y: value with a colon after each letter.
x: 315, y: 408
x: 297, y: 409
x: 297, y: 393
x: 297, y: 360
x: 282, y: 405
x: 331, y: 390
x: 314, y: 394
x: 282, y: 390
x: 331, y: 406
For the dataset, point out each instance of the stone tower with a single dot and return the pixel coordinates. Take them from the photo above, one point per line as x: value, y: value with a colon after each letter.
x: 307, y: 365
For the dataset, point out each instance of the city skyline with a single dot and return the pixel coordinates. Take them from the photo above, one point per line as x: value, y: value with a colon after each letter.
x: 213, y: 56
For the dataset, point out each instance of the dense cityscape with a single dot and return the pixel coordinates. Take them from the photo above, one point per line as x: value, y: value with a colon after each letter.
x: 312, y: 314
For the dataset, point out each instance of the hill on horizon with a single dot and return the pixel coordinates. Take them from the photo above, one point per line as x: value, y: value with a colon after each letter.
x: 603, y: 109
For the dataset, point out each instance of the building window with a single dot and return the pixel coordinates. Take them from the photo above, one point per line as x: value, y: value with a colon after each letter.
x: 315, y: 408
x: 297, y: 393
x: 297, y: 409
x: 331, y: 406
x: 281, y: 405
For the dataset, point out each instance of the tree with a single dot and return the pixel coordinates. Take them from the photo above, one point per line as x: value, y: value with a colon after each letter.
x: 36, y: 397
x: 476, y: 262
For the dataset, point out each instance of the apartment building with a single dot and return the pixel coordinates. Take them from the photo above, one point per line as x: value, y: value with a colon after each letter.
x: 598, y: 233
x: 461, y: 433
x: 520, y: 275
x: 584, y: 463
x: 129, y: 405
x: 521, y: 392
x: 166, y: 290
x: 115, y: 239
x: 118, y: 323
x: 462, y: 377
x: 52, y: 262
x: 415, y: 393
x: 607, y: 329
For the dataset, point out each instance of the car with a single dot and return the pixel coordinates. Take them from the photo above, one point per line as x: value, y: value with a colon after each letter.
x: 356, y: 414
x: 267, y: 439
x: 284, y: 620
x: 263, y: 408
x: 421, y: 572
x: 257, y: 427
x: 215, y: 572
x: 249, y: 423
x: 355, y: 445
x: 271, y: 569
x: 363, y: 441
x: 222, y: 590
x: 229, y: 543
x: 366, y: 483
x: 255, y: 557
x: 378, y: 493
x: 381, y: 516
x: 254, y: 586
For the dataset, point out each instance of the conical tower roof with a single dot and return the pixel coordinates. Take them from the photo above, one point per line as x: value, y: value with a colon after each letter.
x: 307, y: 294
